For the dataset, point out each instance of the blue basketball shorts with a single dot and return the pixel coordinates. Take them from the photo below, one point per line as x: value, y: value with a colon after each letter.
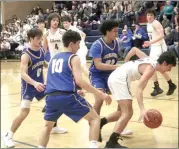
x: 72, y: 105
x: 29, y: 92
x: 99, y: 82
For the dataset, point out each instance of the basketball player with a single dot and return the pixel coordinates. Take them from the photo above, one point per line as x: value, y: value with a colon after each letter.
x: 119, y: 83
x: 104, y: 52
x: 31, y: 67
x: 157, y: 47
x: 82, y: 52
x: 64, y: 74
x: 53, y: 38
x: 53, y: 42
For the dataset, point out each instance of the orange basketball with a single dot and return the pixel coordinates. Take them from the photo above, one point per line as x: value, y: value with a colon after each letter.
x: 155, y: 118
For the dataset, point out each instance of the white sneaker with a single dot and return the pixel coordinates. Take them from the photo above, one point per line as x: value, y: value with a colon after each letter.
x: 59, y: 130
x: 8, y: 141
x: 126, y: 132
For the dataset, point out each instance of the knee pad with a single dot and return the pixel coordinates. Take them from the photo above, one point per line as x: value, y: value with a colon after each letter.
x: 25, y: 104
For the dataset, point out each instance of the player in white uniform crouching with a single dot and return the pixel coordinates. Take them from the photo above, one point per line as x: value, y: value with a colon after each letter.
x: 119, y: 84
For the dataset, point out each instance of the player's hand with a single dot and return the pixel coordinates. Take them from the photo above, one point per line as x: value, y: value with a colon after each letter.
x: 143, y: 114
x: 146, y: 44
x: 106, y: 98
x: 81, y: 93
x: 40, y: 87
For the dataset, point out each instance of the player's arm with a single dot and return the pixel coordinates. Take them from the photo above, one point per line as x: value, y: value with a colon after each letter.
x: 45, y: 43
x: 160, y: 32
x: 134, y: 51
x: 77, y: 73
x: 24, y: 73
x: 148, y: 72
x: 83, y: 35
x: 102, y: 66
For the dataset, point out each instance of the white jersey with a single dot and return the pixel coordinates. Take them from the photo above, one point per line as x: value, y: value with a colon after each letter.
x: 130, y: 70
x: 55, y: 43
x: 153, y: 34
x: 82, y: 52
x: 73, y: 28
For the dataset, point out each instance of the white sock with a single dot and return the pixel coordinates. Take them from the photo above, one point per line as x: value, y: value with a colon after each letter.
x: 93, y: 144
x: 41, y: 146
x: 10, y: 134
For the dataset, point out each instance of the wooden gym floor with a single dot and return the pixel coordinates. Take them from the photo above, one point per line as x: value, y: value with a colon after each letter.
x: 166, y: 136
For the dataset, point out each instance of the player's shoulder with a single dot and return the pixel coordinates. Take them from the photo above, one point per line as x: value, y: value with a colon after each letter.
x: 47, y: 32
x: 62, y: 31
x: 156, y: 23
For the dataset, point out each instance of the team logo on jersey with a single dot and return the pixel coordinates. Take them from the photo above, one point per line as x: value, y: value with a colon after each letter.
x: 54, y: 40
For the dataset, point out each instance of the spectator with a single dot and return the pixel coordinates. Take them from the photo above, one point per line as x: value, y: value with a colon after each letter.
x: 166, y: 21
x: 168, y: 36
x: 5, y: 46
x: 138, y: 7
x: 167, y: 10
x: 125, y: 43
x: 175, y: 47
x: 140, y: 35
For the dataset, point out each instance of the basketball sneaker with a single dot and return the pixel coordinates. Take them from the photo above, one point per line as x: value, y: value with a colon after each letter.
x: 8, y: 141
x: 171, y: 89
x: 58, y: 130
x: 111, y: 144
x: 125, y: 132
x: 157, y: 91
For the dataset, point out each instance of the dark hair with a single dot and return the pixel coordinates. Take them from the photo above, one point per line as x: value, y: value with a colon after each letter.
x: 51, y: 17
x: 168, y: 57
x: 40, y: 20
x: 34, y: 32
x: 66, y: 19
x: 70, y: 36
x: 151, y: 11
x: 108, y: 25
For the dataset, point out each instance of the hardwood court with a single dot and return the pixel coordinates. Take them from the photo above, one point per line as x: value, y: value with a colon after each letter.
x: 27, y: 136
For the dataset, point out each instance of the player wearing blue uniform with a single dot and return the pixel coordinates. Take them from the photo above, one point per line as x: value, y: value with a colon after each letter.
x: 64, y: 74
x: 31, y: 67
x: 52, y: 44
x: 104, y: 52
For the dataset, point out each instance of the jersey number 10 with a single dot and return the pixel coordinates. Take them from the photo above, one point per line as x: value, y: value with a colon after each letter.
x: 57, y: 65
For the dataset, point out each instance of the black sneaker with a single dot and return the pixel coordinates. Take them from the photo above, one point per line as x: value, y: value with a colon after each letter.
x: 43, y: 110
x: 171, y: 89
x: 114, y: 145
x: 156, y: 91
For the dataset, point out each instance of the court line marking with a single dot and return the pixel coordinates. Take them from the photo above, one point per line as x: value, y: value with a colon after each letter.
x: 173, y: 127
x: 24, y: 143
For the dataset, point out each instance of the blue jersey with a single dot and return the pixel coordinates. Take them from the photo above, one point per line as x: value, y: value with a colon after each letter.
x: 107, y: 53
x: 59, y: 76
x: 35, y: 70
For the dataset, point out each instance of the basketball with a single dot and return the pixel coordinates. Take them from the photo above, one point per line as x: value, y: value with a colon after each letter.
x: 155, y: 118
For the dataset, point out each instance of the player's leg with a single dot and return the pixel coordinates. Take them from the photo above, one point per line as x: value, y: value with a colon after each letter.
x: 172, y: 86
x: 127, y: 112
x: 24, y: 111
x: 134, y: 51
x: 79, y: 108
x: 94, y: 121
x: 45, y: 134
x: 52, y: 113
x: 99, y: 83
x: 155, y: 52
x: 56, y: 129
